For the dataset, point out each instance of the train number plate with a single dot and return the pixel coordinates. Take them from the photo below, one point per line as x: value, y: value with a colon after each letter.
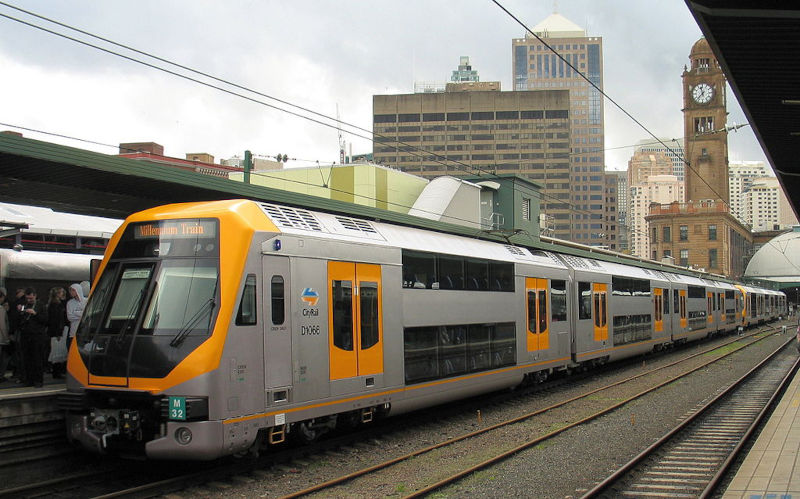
x: 177, y: 408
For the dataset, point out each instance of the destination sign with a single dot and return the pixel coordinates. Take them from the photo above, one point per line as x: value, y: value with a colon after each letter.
x: 176, y: 229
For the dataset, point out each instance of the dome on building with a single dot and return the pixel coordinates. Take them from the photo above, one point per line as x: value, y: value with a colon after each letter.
x: 700, y: 47
x: 778, y: 260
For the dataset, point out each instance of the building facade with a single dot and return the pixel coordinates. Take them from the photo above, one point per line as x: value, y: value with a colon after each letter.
x: 700, y: 235
x: 484, y: 133
x: 740, y: 179
x: 705, y: 120
x: 661, y: 189
x: 536, y: 66
x: 672, y: 148
x: 623, y: 232
x: 765, y: 207
x: 464, y: 71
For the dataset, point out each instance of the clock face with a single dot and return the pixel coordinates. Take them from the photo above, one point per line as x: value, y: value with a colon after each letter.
x: 702, y: 93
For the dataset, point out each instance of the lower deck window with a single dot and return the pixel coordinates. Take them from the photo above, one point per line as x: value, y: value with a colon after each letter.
x: 434, y: 352
x: 632, y: 328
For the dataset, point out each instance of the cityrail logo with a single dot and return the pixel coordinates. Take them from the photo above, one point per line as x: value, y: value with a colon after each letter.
x: 310, y: 296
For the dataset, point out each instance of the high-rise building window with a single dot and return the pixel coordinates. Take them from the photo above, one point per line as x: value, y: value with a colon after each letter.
x: 684, y: 258
x: 667, y: 234
x: 712, y: 258
x: 712, y: 233
x: 684, y: 232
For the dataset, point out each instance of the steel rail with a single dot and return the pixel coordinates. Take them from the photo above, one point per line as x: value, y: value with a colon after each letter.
x: 627, y: 467
x: 391, y: 462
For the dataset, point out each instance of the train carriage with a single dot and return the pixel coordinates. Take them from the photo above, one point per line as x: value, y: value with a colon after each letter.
x: 218, y: 327
x: 727, y: 306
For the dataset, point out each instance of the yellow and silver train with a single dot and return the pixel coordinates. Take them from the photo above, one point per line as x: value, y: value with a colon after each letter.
x: 215, y: 328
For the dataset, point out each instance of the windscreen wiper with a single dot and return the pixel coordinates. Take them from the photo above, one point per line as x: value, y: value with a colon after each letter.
x: 192, y: 322
x: 131, y: 314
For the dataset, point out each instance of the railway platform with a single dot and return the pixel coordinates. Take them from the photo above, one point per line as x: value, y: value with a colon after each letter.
x: 771, y: 469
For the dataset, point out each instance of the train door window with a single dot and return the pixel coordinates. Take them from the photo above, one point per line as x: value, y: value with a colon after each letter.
x: 666, y: 301
x: 368, y: 296
x: 278, y: 299
x: 542, y: 311
x: 603, y: 311
x: 246, y: 315
x: 675, y: 301
x: 584, y: 300
x: 657, y: 306
x: 597, y: 309
x: 558, y: 297
x: 342, y: 292
x: 532, y: 313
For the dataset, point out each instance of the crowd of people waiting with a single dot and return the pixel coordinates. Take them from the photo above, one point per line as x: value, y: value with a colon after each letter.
x: 35, y: 334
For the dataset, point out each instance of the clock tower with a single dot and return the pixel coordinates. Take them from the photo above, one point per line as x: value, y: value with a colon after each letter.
x: 705, y: 118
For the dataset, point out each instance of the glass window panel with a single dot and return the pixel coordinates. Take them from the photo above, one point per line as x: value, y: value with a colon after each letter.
x: 584, y: 300
x: 370, y: 331
x: 451, y: 272
x: 247, y: 307
x: 278, y: 299
x: 421, y: 354
x: 558, y: 293
x: 452, y: 350
x: 503, y: 344
x: 342, y: 292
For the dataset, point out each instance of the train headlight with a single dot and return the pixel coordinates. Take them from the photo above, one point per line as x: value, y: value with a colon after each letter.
x: 183, y: 435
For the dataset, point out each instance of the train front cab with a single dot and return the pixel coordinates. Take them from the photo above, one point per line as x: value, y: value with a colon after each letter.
x: 749, y: 311
x: 148, y: 352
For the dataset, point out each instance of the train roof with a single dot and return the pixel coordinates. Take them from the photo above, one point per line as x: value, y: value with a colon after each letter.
x: 331, y: 226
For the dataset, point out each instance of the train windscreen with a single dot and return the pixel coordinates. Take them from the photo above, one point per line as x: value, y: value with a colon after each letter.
x: 155, y: 300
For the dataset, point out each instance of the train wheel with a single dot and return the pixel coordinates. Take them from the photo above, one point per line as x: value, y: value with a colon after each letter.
x: 305, y: 433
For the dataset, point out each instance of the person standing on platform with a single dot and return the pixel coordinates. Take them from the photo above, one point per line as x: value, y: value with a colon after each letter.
x: 56, y: 319
x: 5, y: 335
x: 15, y: 307
x: 74, y: 310
x: 33, y: 336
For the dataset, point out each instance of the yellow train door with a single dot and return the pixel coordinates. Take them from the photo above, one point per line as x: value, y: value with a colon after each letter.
x: 355, y: 324
x: 710, y: 306
x: 538, y: 337
x: 600, y: 305
x: 658, y: 309
x: 682, y: 294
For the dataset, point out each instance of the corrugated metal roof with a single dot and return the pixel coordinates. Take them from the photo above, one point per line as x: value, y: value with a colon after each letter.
x: 73, y: 180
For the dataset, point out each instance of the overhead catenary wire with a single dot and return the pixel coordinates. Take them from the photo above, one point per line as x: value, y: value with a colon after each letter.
x: 459, y: 165
x: 612, y: 101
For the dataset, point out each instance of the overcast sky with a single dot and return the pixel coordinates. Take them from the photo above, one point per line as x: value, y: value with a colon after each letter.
x: 316, y: 54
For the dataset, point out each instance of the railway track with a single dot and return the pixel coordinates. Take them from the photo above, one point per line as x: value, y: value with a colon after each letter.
x: 690, y: 460
x: 238, y: 470
x: 571, y: 405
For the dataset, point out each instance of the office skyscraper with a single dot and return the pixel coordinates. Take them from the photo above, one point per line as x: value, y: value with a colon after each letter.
x: 535, y: 66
